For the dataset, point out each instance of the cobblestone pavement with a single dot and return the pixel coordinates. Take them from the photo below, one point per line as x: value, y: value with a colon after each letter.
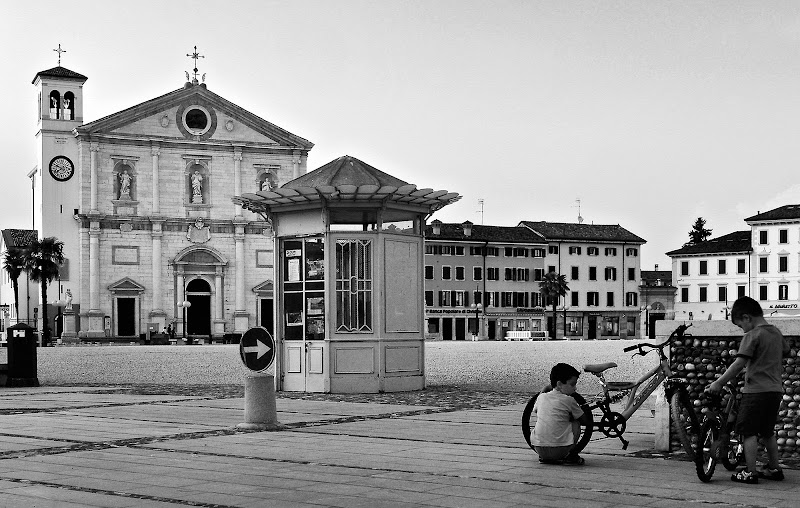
x: 449, y: 397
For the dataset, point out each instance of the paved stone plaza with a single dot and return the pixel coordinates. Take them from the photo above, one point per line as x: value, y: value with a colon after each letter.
x: 123, y: 447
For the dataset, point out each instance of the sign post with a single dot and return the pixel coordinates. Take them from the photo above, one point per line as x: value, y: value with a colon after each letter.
x: 257, y: 351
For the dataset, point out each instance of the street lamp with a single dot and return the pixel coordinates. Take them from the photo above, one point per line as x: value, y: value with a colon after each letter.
x: 60, y: 324
x: 477, y: 307
x: 184, y: 305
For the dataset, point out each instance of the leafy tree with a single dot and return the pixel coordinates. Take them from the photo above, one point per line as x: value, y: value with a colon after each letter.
x: 698, y: 233
x: 13, y: 264
x: 553, y: 286
x: 42, y: 261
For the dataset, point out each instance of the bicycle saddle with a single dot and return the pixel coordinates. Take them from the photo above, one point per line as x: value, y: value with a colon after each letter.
x: 597, y: 368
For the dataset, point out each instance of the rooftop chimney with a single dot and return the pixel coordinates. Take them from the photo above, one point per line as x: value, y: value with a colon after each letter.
x: 467, y: 228
x: 437, y: 226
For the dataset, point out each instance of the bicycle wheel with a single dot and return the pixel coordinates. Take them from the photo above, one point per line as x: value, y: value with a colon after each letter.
x: 687, y: 426
x: 529, y: 422
x: 707, y: 449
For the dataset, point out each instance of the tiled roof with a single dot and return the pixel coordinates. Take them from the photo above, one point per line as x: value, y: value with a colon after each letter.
x: 582, y: 232
x: 60, y: 72
x: 345, y: 170
x: 19, y: 237
x: 784, y: 212
x: 738, y: 241
x: 495, y: 234
x: 649, y: 277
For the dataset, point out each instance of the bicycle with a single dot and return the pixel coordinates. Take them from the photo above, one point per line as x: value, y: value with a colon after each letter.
x: 612, y: 423
x: 718, y: 439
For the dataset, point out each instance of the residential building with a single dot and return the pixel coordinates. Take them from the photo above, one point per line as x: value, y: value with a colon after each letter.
x: 762, y: 262
x: 602, y: 267
x: 775, y: 261
x: 495, y: 267
x: 711, y: 275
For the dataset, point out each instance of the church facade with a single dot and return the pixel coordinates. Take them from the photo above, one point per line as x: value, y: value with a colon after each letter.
x: 142, y: 201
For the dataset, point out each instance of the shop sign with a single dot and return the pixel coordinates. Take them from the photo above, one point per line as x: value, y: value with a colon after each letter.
x: 449, y: 311
x: 783, y: 306
x: 534, y: 310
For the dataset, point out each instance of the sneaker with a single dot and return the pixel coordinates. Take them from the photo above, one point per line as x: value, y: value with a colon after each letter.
x: 771, y: 474
x: 574, y: 460
x: 556, y: 462
x: 744, y: 477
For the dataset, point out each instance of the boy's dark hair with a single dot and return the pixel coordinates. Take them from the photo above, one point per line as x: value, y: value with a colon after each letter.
x: 562, y: 372
x: 745, y: 305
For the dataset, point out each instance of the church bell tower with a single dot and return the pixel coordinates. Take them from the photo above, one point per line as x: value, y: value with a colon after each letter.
x: 56, y: 176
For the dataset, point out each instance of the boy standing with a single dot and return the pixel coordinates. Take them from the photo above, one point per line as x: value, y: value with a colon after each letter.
x: 762, y: 349
x: 558, y: 419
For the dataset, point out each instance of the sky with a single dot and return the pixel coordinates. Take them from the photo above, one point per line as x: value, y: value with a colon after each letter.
x: 647, y: 113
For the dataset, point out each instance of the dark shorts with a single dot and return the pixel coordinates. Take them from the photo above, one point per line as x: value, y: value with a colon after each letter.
x: 758, y: 413
x: 553, y: 452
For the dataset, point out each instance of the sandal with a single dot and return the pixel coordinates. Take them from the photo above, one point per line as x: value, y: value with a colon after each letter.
x: 745, y: 477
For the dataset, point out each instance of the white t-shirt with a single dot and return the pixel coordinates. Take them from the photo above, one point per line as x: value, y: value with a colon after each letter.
x: 553, y: 427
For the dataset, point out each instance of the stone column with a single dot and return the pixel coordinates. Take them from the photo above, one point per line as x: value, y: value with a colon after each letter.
x: 219, y: 303
x: 94, y: 266
x: 241, y: 318
x: 237, y: 177
x: 155, y: 151
x: 94, y: 149
x: 95, y: 314
x: 157, y: 314
x: 181, y: 296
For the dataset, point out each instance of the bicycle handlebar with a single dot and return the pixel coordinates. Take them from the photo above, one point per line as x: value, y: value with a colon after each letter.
x: 679, y: 331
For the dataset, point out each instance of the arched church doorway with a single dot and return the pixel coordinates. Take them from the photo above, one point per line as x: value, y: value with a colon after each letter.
x: 198, y: 316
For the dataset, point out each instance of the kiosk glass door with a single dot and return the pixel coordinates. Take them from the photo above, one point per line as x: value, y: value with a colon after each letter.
x: 303, y: 285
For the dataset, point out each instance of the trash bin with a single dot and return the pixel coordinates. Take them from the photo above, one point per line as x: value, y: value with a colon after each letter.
x: 22, y: 363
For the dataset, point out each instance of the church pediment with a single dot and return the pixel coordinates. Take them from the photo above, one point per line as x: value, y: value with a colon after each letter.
x: 126, y: 285
x: 194, y: 113
x: 264, y: 289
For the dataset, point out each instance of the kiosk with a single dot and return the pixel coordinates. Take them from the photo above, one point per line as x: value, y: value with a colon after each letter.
x: 349, y: 257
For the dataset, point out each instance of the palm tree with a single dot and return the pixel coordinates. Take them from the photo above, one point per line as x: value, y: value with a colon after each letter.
x: 553, y: 286
x: 13, y: 262
x: 42, y: 261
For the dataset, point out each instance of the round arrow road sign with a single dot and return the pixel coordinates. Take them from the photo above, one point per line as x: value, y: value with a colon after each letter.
x: 257, y: 349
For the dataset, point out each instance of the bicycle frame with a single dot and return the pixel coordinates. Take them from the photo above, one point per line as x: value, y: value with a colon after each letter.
x: 635, y: 397
x: 613, y: 423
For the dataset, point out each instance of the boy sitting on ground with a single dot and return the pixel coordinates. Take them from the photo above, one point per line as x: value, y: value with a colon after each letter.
x: 558, y: 418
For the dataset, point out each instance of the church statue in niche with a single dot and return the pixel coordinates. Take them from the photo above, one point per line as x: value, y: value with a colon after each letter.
x: 67, y: 111
x: 198, y: 232
x: 197, y: 187
x: 125, y: 180
x: 266, y: 183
